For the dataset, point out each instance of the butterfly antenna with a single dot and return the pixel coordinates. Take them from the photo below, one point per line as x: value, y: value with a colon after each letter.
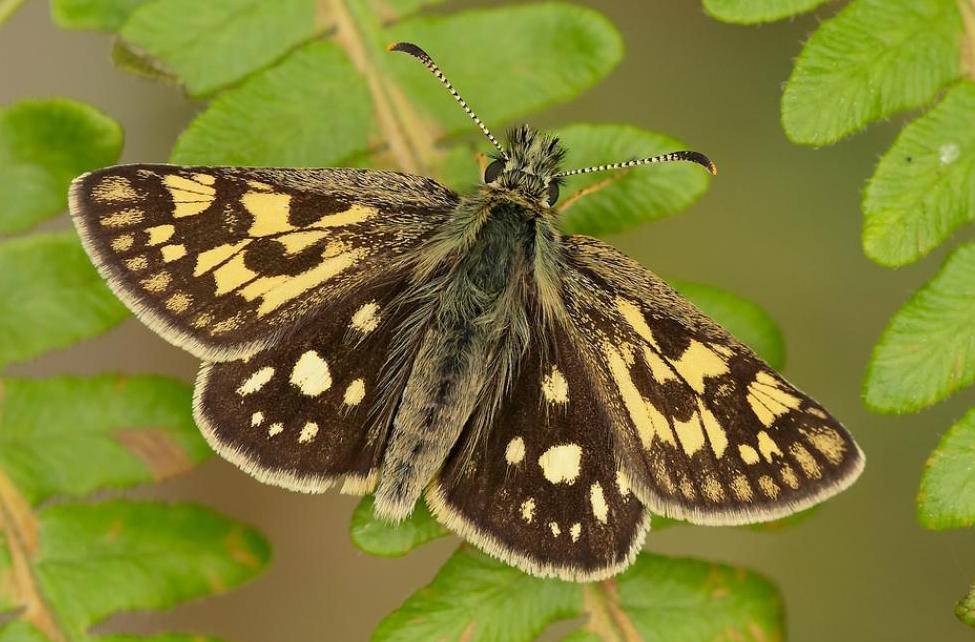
x: 694, y: 157
x: 424, y: 57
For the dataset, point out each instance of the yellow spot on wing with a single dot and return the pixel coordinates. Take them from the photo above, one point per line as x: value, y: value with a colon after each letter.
x: 555, y: 388
x: 712, y: 488
x: 631, y: 313
x: 366, y: 318
x: 157, y: 282
x: 658, y: 367
x: 528, y: 510
x: 690, y: 433
x: 354, y: 393
x: 575, y: 531
x: 123, y: 218
x: 767, y: 446
x: 789, y: 476
x: 698, y: 363
x: 213, y: 257
x: 179, y: 302
x: 741, y: 488
x: 256, y: 381
x: 113, y: 188
x: 160, y: 233
x: 748, y: 454
x: 600, y: 509
x: 137, y: 264
x: 270, y: 212
x: 173, y: 252
x: 311, y: 374
x: 123, y: 243
x: 647, y: 420
x: 295, y: 242
x: 515, y: 451
x: 308, y: 432
x: 560, y: 464
x: 190, y: 197
x: 806, y: 461
x: 768, y: 486
x: 278, y: 290
x: 205, y: 179
x: 232, y: 274
x: 828, y: 442
x: 623, y: 483
x: 716, y: 434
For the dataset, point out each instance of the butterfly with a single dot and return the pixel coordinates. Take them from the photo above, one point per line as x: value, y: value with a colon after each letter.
x: 376, y: 331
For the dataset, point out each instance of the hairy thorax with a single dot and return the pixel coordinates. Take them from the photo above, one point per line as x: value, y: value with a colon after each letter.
x: 477, y: 290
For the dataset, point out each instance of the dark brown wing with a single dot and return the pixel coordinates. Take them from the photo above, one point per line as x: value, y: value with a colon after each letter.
x: 542, y: 489
x: 307, y: 413
x: 222, y: 261
x: 703, y: 428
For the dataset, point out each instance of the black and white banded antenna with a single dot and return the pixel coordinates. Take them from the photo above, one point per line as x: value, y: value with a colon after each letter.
x: 424, y: 57
x: 693, y: 157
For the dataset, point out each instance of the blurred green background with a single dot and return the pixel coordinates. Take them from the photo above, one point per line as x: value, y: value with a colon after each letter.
x: 780, y: 225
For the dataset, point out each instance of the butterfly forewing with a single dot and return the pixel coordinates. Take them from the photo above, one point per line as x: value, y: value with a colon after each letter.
x: 223, y: 261
x: 542, y: 489
x: 704, y: 429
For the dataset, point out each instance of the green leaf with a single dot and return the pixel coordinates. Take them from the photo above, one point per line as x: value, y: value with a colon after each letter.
x: 873, y: 59
x: 741, y: 317
x: 661, y: 598
x: 947, y: 495
x: 628, y: 197
x: 71, y: 436
x: 97, y: 559
x: 8, y: 597
x: 965, y: 609
x: 474, y: 598
x: 19, y: 631
x: 927, y: 350
x: 754, y: 11
x: 104, y: 15
x: 311, y: 110
x: 43, y: 145
x: 50, y: 296
x: 569, y: 48
x: 212, y: 44
x: 376, y: 537
x: 924, y: 187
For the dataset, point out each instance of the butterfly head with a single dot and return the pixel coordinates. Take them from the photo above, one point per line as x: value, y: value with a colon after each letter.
x: 529, y: 166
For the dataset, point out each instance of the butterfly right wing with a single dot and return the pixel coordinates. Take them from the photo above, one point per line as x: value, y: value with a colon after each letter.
x: 222, y: 261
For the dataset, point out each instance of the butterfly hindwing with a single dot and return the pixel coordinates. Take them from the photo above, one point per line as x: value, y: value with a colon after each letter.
x: 306, y: 413
x: 542, y: 489
x: 222, y: 261
x: 704, y: 429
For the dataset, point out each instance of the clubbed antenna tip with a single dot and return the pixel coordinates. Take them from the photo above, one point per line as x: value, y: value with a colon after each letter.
x: 424, y: 57
x: 693, y: 157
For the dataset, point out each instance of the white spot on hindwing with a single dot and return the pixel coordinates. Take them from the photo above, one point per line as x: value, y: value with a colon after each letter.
x: 575, y: 531
x: 257, y: 419
x: 275, y: 429
x: 515, y: 452
x: 354, y: 393
x: 366, y: 318
x: 256, y: 381
x: 311, y: 374
x: 308, y: 432
x: 560, y: 464
x: 554, y: 527
x: 598, y: 501
x: 623, y: 483
x: 528, y: 510
x: 555, y: 388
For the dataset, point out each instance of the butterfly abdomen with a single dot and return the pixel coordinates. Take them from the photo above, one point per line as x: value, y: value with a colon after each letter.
x: 464, y: 348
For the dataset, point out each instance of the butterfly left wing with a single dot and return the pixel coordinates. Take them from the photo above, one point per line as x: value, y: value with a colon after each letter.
x: 309, y: 413
x: 703, y: 428
x: 541, y: 489
x: 221, y: 261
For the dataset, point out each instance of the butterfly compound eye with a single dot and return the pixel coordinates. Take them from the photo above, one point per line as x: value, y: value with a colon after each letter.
x: 553, y: 193
x: 493, y: 171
